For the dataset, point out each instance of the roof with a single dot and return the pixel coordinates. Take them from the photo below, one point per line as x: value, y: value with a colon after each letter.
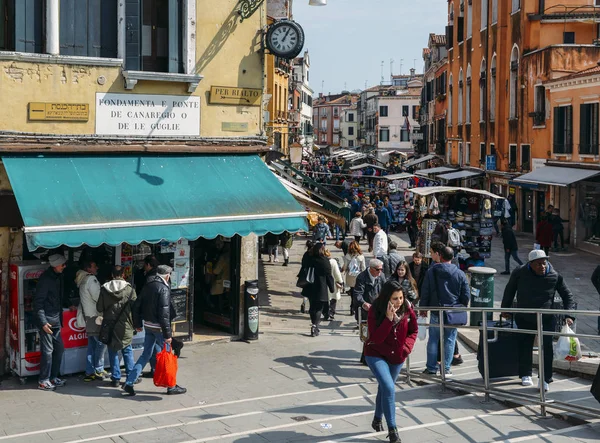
x: 585, y: 72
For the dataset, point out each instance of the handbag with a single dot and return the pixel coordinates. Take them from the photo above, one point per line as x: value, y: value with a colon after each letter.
x: 108, y: 326
x: 165, y: 373
x: 453, y: 318
x: 80, y: 319
x: 306, y: 277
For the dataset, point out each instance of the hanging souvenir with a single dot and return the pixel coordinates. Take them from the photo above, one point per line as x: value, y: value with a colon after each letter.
x: 434, y: 206
x: 423, y: 206
x: 487, y: 208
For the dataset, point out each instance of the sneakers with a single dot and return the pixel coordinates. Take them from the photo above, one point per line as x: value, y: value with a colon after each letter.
x: 96, y: 376
x: 101, y: 375
x: 428, y: 372
x: 129, y: 389
x: 90, y: 377
x: 176, y: 390
x: 313, y: 331
x: 546, y: 386
x: 58, y: 382
x: 457, y: 360
x: 448, y: 374
x: 46, y: 386
x: 115, y: 383
x: 526, y: 381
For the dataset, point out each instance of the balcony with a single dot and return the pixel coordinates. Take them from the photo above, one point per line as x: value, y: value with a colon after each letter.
x: 563, y: 148
x: 588, y: 149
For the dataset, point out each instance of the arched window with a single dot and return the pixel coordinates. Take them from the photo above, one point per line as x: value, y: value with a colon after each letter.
x: 514, y: 81
x: 493, y: 89
x: 468, y: 99
x: 460, y: 97
x: 450, y: 101
x: 482, y: 90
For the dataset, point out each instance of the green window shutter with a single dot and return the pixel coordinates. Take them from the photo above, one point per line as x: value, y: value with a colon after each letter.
x: 29, y: 16
x: 133, y: 47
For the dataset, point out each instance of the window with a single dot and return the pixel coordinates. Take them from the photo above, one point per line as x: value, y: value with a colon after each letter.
x: 461, y: 154
x: 350, y: 130
x: 323, y: 138
x: 88, y: 28
x: 494, y: 11
x: 336, y: 139
x: 383, y: 111
x: 336, y: 112
x: 469, y: 18
x: 539, y: 106
x: 404, y: 135
x: 460, y: 97
x: 350, y: 143
x: 461, y: 23
x: 588, y: 129
x: 493, y: 89
x: 512, y: 156
x: 336, y: 124
x: 526, y: 157
x: 516, y: 5
x: 351, y: 116
x: 482, y: 90
x: 563, y: 130
x: 484, y: 14
x: 323, y: 125
x: 482, y: 153
x: 514, y: 82
x: 449, y: 153
x: 450, y: 101
x: 405, y: 110
x: 569, y: 38
x: 468, y: 154
x: 384, y: 135
x: 415, y: 112
x: 22, y: 25
x: 492, y: 149
x: 468, y: 112
x: 450, y: 27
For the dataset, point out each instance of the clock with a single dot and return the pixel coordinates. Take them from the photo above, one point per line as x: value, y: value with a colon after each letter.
x: 285, y: 39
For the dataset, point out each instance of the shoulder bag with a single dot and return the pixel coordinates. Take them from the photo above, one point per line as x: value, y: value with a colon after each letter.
x: 108, y: 326
x: 454, y: 318
x: 306, y: 277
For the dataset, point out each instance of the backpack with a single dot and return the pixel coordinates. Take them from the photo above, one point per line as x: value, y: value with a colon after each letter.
x: 453, y: 238
x: 353, y: 267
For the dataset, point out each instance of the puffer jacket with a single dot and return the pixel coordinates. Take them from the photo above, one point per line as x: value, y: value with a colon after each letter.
x: 89, y: 292
x: 392, y: 342
x: 115, y: 302
x: 153, y: 306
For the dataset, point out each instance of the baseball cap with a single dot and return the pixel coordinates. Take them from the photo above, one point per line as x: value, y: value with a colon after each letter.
x: 536, y: 254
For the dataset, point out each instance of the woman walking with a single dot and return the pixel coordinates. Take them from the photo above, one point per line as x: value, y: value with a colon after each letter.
x: 318, y: 291
x: 309, y: 245
x: 357, y: 225
x: 334, y: 296
x: 393, y: 330
x: 354, y: 264
x: 403, y: 276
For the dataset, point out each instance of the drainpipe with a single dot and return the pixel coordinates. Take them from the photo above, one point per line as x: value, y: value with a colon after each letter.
x: 52, y: 27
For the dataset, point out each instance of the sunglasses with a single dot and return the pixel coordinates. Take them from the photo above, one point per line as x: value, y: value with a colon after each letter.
x: 378, y: 269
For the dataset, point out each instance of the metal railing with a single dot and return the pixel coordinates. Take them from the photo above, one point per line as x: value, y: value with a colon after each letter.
x: 487, y: 388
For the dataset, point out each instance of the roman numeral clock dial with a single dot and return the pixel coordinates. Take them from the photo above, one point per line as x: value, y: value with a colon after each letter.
x: 285, y: 39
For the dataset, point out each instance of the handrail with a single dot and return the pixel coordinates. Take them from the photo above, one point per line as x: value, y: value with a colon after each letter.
x: 487, y: 388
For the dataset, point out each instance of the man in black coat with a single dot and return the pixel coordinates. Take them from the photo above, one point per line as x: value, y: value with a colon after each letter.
x: 534, y: 285
x: 596, y: 283
x: 368, y: 285
x: 153, y: 307
x: 318, y: 291
x: 418, y: 269
x: 510, y: 247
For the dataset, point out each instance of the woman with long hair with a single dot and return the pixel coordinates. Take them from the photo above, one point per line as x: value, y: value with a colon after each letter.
x: 318, y: 291
x: 354, y: 264
x: 309, y: 245
x: 403, y: 276
x: 392, y: 325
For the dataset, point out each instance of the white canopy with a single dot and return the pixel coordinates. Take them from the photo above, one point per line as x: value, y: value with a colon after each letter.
x: 400, y: 176
x: 366, y: 165
x: 430, y: 190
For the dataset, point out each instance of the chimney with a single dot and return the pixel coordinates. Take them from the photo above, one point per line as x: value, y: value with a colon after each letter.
x: 412, y: 72
x: 320, y: 95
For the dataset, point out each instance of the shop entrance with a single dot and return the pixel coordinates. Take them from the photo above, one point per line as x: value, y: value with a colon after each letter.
x: 216, y: 283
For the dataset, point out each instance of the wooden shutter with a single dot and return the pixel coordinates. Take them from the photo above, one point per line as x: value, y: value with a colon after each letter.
x: 584, y: 129
x: 558, y: 128
x: 102, y: 32
x: 29, y: 17
x: 569, y: 130
x: 133, y: 47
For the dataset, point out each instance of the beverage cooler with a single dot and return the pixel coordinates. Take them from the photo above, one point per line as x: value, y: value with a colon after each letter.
x: 24, y: 338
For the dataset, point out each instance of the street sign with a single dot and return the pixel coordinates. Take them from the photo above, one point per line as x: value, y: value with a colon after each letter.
x: 490, y: 163
x: 66, y: 112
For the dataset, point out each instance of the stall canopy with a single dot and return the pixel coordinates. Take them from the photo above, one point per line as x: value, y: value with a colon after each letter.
x: 116, y: 199
x: 430, y: 190
x: 438, y: 170
x: 556, y: 176
x: 366, y: 165
x: 417, y: 161
x: 460, y: 174
x: 401, y: 176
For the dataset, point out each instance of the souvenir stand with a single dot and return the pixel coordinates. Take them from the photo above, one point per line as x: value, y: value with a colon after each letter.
x: 467, y: 210
x: 398, y: 187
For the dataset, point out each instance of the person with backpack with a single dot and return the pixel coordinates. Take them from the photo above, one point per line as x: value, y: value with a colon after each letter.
x: 115, y: 302
x: 354, y: 264
x: 510, y: 246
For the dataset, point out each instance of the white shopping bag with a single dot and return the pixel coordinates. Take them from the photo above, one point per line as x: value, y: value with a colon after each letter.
x: 567, y: 348
x: 422, y: 329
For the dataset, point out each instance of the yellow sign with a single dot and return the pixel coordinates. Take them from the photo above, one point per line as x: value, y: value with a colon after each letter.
x: 234, y: 127
x: 67, y: 112
x: 235, y: 96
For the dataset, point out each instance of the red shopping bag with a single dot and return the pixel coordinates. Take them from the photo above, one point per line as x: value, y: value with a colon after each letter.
x: 165, y: 373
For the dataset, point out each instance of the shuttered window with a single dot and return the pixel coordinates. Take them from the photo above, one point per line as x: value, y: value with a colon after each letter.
x: 563, y: 130
x: 28, y: 25
x: 88, y: 28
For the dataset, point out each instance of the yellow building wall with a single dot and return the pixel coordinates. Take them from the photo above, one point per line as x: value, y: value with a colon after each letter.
x: 278, y: 87
x: 227, y: 54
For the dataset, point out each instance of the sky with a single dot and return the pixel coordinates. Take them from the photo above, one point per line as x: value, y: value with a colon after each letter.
x: 348, y: 39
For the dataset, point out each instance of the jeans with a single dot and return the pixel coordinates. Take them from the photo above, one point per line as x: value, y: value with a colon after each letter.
x: 386, y: 375
x: 153, y: 342
x: 507, y: 256
x: 115, y: 362
x: 434, y: 342
x: 525, y: 351
x: 95, y: 356
x: 52, y: 348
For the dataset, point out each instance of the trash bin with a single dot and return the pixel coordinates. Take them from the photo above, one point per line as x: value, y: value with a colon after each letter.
x: 251, y: 310
x: 482, y: 291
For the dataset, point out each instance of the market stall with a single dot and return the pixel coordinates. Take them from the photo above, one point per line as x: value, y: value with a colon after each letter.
x: 443, y: 209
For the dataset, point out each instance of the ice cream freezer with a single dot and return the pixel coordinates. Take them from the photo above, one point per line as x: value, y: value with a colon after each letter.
x: 24, y: 339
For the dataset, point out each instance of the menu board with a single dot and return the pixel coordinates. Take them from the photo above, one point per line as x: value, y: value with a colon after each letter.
x: 179, y: 299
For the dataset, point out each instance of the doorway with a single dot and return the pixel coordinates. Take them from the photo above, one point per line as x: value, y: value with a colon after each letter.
x: 528, y: 209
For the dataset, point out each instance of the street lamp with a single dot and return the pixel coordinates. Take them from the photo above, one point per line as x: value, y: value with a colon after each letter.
x: 317, y: 3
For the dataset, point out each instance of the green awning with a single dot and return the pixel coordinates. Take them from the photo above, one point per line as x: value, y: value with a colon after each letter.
x: 114, y: 199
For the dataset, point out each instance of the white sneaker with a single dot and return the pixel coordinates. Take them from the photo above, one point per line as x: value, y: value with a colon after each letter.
x: 546, y: 386
x: 526, y: 381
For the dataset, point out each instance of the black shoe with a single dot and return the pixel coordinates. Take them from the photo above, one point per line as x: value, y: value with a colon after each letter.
x: 286, y: 261
x: 428, y: 372
x: 148, y: 374
x: 115, y: 383
x: 303, y: 308
x: 317, y: 331
x: 377, y: 425
x: 393, y: 436
x: 313, y: 331
x: 129, y: 389
x: 505, y: 273
x: 457, y: 361
x: 176, y: 390
x: 331, y: 318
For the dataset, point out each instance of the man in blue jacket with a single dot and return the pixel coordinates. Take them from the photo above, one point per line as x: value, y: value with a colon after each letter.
x: 444, y: 285
x: 383, y: 217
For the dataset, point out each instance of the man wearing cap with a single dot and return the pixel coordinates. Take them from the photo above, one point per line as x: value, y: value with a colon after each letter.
x: 153, y: 307
x: 47, y: 306
x: 534, y: 284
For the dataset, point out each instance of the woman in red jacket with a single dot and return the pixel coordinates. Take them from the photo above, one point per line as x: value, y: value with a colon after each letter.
x: 392, y: 333
x: 544, y: 234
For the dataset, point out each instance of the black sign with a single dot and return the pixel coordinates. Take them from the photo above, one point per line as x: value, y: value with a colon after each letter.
x: 179, y: 299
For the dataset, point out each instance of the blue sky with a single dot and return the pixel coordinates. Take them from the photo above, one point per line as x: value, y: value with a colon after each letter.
x: 348, y: 39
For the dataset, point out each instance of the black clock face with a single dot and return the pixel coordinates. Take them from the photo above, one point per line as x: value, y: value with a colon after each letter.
x: 285, y: 39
